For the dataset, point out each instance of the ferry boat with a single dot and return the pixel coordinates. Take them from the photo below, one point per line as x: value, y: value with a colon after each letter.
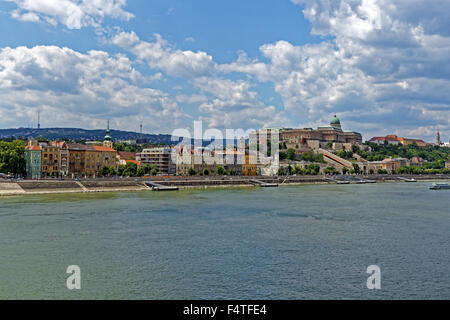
x: 440, y: 186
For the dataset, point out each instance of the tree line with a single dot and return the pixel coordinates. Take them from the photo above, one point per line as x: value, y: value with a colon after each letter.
x: 12, y: 157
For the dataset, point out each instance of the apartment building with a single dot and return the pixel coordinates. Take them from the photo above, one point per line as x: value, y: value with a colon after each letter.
x: 160, y: 157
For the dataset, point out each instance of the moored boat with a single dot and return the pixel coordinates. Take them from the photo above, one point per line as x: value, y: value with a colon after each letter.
x: 440, y: 186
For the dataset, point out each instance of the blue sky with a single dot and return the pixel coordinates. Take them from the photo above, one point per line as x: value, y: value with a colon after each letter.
x: 382, y: 66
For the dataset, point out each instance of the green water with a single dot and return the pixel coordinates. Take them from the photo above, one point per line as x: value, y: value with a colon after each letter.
x: 293, y: 242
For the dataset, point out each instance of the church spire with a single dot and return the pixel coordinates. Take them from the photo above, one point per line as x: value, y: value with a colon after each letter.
x: 108, y: 140
x: 438, y: 137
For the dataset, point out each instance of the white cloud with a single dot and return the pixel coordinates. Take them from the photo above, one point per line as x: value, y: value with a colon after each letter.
x: 380, y: 55
x: 232, y: 104
x: 160, y: 55
x: 74, y: 14
x: 71, y: 88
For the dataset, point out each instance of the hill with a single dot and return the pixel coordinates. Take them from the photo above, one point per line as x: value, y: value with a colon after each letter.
x: 83, y: 134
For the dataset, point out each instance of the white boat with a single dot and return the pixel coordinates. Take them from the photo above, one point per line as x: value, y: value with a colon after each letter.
x: 440, y: 186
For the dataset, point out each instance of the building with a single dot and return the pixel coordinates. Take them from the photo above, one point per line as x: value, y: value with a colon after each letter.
x: 197, y: 159
x: 438, y: 138
x: 393, y: 139
x: 88, y: 160
x: 249, y: 167
x: 50, y: 160
x: 417, y: 161
x: 308, y: 139
x: 389, y: 164
x: 406, y: 142
x: 77, y: 159
x: 447, y: 164
x: 33, y: 156
x: 160, y: 157
x: 123, y: 157
x: 106, y: 157
x: 63, y: 157
x: 108, y: 140
x: 389, y: 139
x: 393, y: 164
x: 231, y: 160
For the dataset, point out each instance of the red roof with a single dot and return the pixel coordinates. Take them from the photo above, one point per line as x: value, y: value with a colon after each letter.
x: 104, y: 149
x: 387, y: 138
x: 133, y: 161
x: 34, y: 148
x: 126, y: 155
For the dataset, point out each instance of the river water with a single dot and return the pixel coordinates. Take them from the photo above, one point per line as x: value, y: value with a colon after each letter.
x: 291, y: 242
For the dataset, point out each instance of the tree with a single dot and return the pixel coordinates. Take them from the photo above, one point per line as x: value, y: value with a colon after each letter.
x: 104, y: 171
x: 344, y: 170
x: 206, y: 172
x: 312, y: 157
x: 356, y: 168
x: 221, y: 170
x: 147, y: 168
x: 283, y: 155
x: 330, y: 170
x: 112, y: 171
x: 291, y: 154
x: 130, y: 169
x: 140, y: 171
x: 12, y: 157
x: 120, y: 170
x: 298, y: 170
x: 312, y: 169
x: 154, y: 171
x: 191, y: 172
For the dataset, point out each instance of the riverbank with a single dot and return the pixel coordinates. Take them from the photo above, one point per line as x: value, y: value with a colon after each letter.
x: 30, y: 187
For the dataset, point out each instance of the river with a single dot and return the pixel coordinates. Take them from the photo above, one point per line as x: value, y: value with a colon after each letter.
x: 291, y: 242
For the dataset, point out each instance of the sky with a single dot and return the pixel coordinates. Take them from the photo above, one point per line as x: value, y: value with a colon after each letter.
x: 381, y: 65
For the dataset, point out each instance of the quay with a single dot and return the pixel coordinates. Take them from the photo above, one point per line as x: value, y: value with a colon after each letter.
x: 262, y: 183
x: 11, y: 187
x: 159, y: 187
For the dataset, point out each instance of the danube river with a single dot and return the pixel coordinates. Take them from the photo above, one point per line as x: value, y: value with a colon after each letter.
x: 293, y: 242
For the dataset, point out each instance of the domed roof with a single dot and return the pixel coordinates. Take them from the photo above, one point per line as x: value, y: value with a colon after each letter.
x: 335, y: 120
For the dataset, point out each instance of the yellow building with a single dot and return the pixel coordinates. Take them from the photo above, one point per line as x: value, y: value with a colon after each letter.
x: 88, y: 160
x: 104, y: 156
x: 50, y: 160
x: 249, y: 165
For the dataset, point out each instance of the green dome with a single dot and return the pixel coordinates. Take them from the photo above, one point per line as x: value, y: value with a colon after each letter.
x: 335, y: 120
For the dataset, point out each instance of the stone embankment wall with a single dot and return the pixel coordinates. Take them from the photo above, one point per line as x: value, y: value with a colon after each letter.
x: 8, y: 187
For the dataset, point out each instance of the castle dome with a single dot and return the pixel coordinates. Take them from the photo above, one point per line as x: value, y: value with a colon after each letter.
x: 335, y: 120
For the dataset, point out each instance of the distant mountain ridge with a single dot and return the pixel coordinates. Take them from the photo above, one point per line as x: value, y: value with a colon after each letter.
x: 84, y: 134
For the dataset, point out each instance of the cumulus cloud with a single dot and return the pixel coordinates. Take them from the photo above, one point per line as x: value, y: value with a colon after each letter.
x: 73, y: 88
x: 74, y: 14
x: 377, y: 57
x: 222, y: 103
x: 160, y: 55
x: 233, y: 104
x: 382, y: 65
